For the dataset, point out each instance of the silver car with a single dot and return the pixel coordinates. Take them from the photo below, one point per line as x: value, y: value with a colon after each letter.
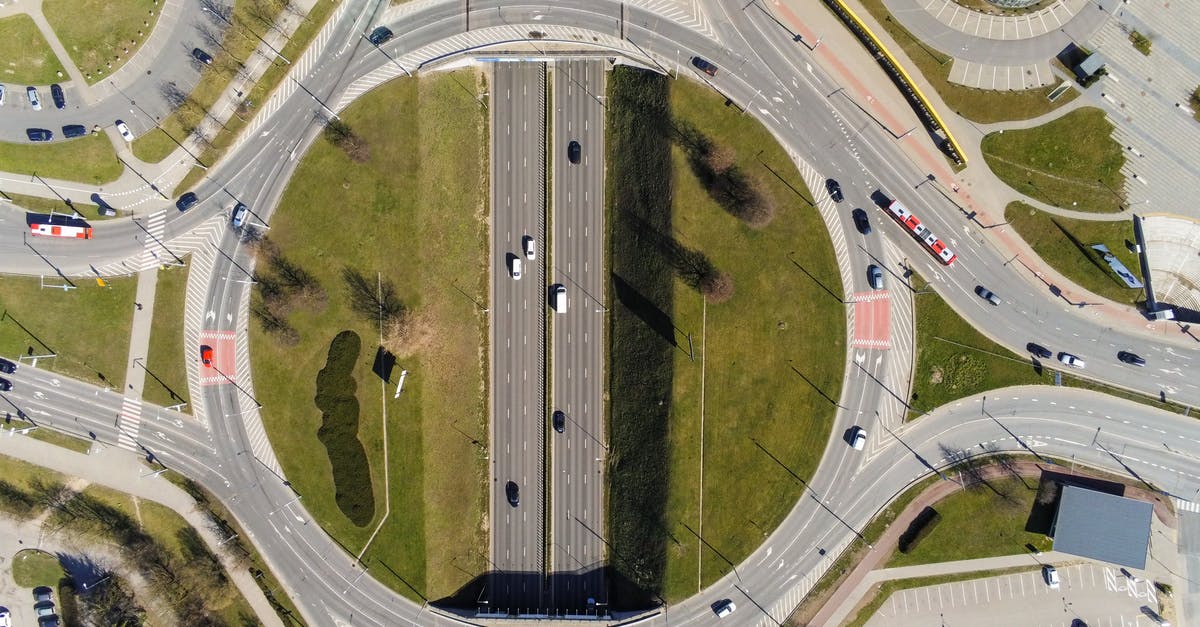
x: 33, y: 98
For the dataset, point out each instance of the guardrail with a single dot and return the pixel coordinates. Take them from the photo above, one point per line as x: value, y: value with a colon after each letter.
x: 911, y: 92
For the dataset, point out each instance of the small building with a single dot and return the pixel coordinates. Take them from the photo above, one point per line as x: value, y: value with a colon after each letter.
x: 1090, y: 67
x: 1103, y: 527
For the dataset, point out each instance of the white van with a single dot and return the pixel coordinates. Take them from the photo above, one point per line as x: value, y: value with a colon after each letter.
x: 516, y: 268
x: 560, y: 299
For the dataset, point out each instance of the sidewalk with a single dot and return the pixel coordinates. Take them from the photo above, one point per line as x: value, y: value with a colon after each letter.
x: 979, y: 192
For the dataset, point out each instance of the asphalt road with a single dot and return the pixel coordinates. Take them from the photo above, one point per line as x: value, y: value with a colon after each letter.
x: 579, y: 453
x: 518, y: 336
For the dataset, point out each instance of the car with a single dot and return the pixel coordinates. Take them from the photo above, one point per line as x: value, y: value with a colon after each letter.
x: 7, y: 367
x: 835, y: 190
x: 34, y: 100
x: 875, y: 277
x: 202, y: 56
x: 987, y: 295
x: 45, y: 608
x: 1, y: 95
x: 516, y: 268
x: 1132, y: 359
x: 239, y: 215
x: 5, y: 618
x: 704, y: 66
x: 187, y: 201
x: 861, y: 222
x: 206, y: 355
x: 530, y: 247
x: 1038, y: 350
x: 559, y: 420
x: 724, y: 608
x: 1071, y: 360
x: 124, y: 131
x: 48, y: 621
x: 39, y: 134
x: 74, y: 130
x: 574, y: 151
x: 5, y: 385
x: 1050, y: 574
x: 56, y: 94
x: 858, y: 438
x: 381, y: 35
x: 42, y: 593
x: 512, y: 493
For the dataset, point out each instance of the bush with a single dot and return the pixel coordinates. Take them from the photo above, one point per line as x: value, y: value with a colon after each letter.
x: 1141, y: 42
x: 919, y: 528
x: 341, y: 135
x: 337, y: 400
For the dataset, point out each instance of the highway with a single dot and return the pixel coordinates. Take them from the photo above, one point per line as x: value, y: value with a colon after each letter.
x: 518, y: 313
x: 579, y: 453
x: 769, y: 71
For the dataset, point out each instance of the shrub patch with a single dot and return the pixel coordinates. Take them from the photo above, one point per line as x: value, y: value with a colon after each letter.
x: 337, y: 400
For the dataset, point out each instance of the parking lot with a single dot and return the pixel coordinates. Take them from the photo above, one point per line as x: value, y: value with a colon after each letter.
x: 1099, y: 595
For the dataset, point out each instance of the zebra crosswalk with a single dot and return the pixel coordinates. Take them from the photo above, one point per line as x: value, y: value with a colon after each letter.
x: 129, y: 423
x: 1186, y: 506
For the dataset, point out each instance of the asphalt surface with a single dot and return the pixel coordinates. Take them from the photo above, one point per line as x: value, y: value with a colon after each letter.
x: 519, y: 310
x: 579, y: 453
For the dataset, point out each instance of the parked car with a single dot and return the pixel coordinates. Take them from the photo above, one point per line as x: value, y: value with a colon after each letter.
x: 704, y: 66
x: 835, y: 190
x: 1039, y: 351
x: 381, y: 35
x: 5, y: 385
x: 42, y: 593
x: 1050, y: 574
x: 530, y: 247
x: 1071, y: 360
x: 7, y: 367
x: 48, y: 621
x: 34, y: 100
x: 559, y: 420
x: 202, y: 56
x: 187, y: 201
x: 724, y: 608
x: 574, y: 152
x: 875, y: 277
x: 513, y: 493
x: 74, y: 130
x: 861, y: 222
x: 39, y: 134
x: 987, y: 295
x: 1132, y: 359
x: 124, y: 131
x: 1, y: 95
x: 239, y: 215
x: 5, y: 618
x: 858, y: 438
x: 45, y: 608
x: 56, y: 94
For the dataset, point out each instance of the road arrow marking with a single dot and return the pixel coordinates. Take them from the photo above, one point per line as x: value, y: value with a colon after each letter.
x: 212, y: 315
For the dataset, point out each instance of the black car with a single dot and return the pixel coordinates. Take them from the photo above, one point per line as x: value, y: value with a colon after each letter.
x: 56, y: 94
x: 560, y: 421
x: 704, y: 66
x: 574, y: 150
x: 381, y: 35
x: 74, y: 130
x: 861, y: 222
x: 42, y: 594
x: 513, y: 493
x: 834, y: 189
x: 1038, y: 350
x: 5, y: 385
x: 1132, y: 359
x: 187, y: 201
x: 7, y: 367
x: 39, y: 134
x: 987, y: 295
x: 202, y: 56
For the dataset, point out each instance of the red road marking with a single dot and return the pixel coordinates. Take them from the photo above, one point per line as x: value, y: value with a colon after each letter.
x: 224, y: 345
x: 872, y: 317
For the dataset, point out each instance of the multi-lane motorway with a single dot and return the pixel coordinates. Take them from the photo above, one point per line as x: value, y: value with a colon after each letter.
x: 790, y: 99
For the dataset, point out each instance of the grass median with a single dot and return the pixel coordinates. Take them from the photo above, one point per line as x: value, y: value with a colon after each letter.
x: 28, y: 58
x: 166, y: 381
x: 37, y: 204
x: 1071, y: 162
x: 89, y: 159
x: 109, y: 35
x: 415, y: 213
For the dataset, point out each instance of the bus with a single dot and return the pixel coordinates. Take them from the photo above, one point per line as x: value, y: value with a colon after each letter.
x: 56, y: 225
x: 924, y: 235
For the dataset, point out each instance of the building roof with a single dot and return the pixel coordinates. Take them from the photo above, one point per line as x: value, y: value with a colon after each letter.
x: 1103, y: 527
x: 1093, y: 62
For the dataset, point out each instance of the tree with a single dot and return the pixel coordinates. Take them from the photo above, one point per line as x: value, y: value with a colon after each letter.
x: 341, y: 135
x: 376, y: 301
x: 716, y: 286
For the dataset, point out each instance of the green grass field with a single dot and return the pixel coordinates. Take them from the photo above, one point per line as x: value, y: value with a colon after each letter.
x: 26, y: 57
x: 90, y: 159
x: 980, y: 105
x: 32, y: 568
x: 1065, y: 244
x: 113, y: 31
x: 1071, y: 162
x: 166, y: 372
x: 42, y: 321
x: 37, y: 204
x: 415, y: 212
x: 763, y: 338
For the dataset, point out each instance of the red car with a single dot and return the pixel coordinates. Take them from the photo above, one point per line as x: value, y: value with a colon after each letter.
x: 206, y: 355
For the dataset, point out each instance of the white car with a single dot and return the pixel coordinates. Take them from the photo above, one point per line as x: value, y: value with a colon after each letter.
x: 1071, y: 360
x: 724, y: 608
x: 1050, y: 573
x: 516, y: 268
x: 858, y: 438
x: 5, y: 619
x: 124, y: 131
x: 33, y: 98
x: 239, y: 215
x: 530, y: 248
x: 1, y: 95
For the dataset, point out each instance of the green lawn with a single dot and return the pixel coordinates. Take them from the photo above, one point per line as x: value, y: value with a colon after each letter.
x: 32, y: 568
x: 1070, y: 162
x: 111, y: 33
x: 881, y: 593
x: 26, y: 57
x: 416, y: 213
x: 166, y: 372
x: 90, y: 159
x: 37, y: 204
x: 41, y: 321
x: 1065, y: 244
x: 756, y: 443
x: 980, y: 105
